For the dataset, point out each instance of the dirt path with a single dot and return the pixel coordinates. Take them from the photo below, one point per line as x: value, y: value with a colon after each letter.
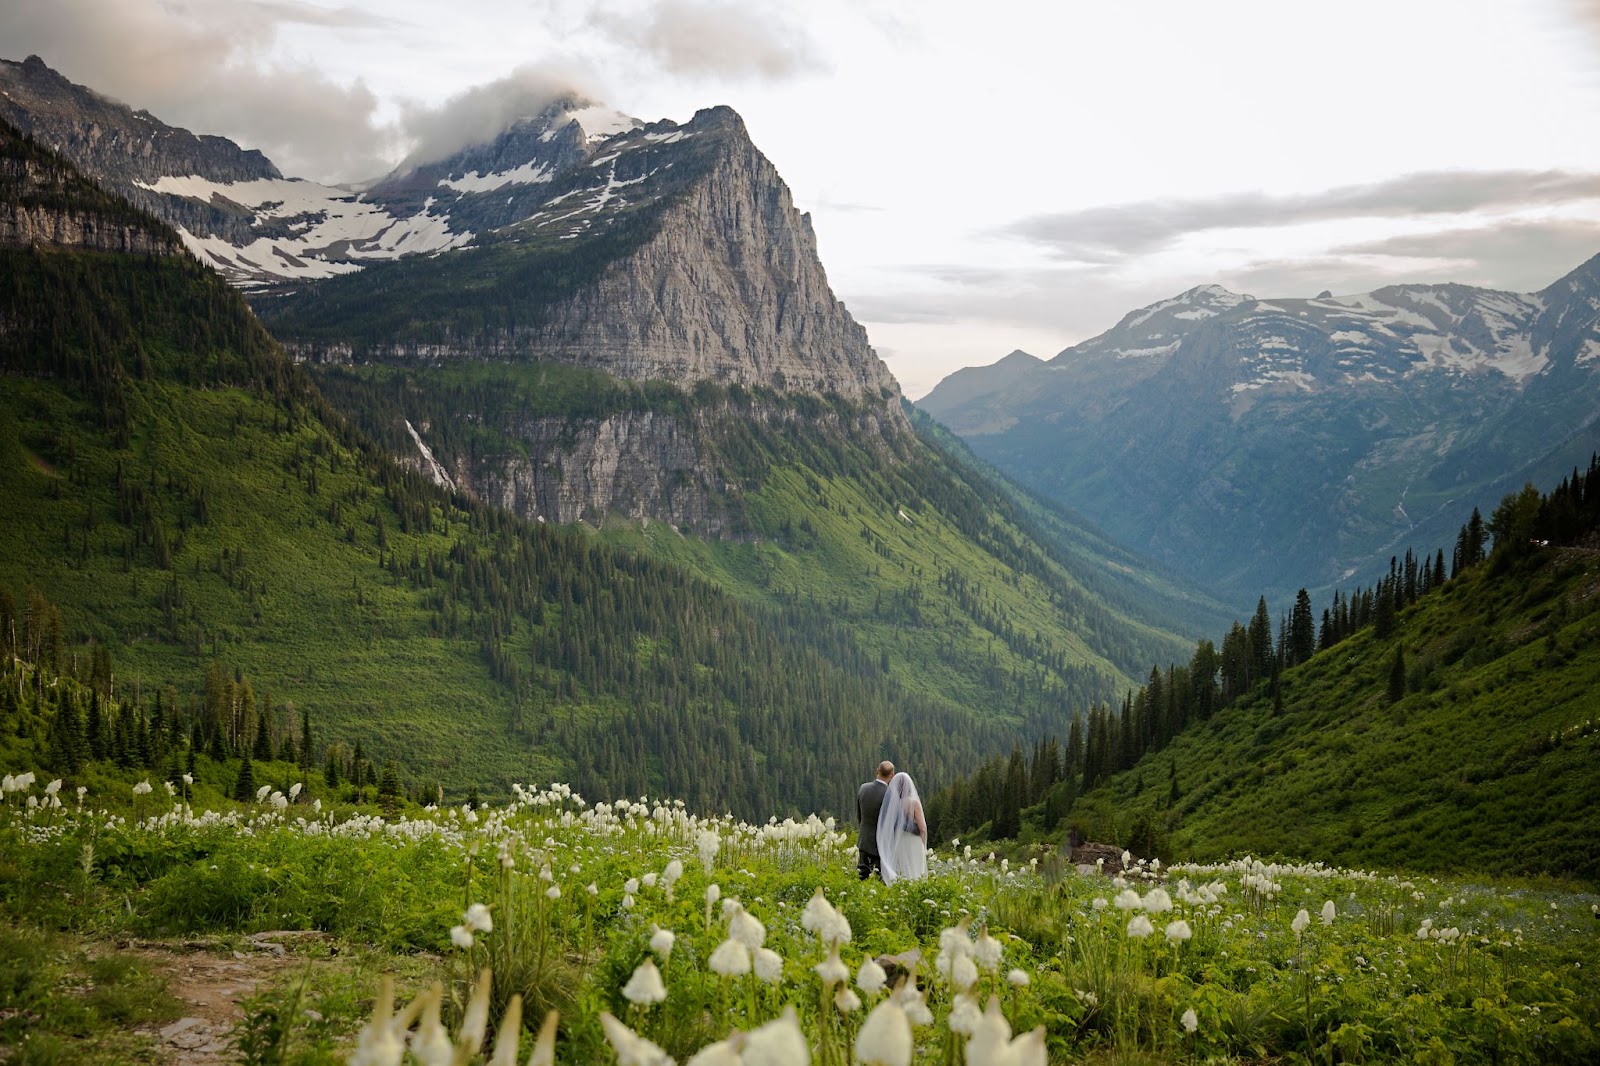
x: 212, y: 983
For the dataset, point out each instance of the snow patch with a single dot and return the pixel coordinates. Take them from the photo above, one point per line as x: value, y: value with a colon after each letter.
x: 1296, y: 378
x: 531, y: 173
x: 599, y: 122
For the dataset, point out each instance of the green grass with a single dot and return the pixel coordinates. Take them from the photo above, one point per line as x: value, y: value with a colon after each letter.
x: 1512, y: 978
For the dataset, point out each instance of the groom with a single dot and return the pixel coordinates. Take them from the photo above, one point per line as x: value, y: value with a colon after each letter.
x: 869, y: 801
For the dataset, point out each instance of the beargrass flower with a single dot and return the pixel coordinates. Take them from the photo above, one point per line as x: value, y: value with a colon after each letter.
x: 661, y: 941
x: 1301, y: 920
x: 964, y: 1015
x: 721, y: 1053
x: 1190, y: 1021
x: 780, y: 1042
x: 461, y: 936
x: 631, y: 1048
x: 1328, y: 913
x: 731, y: 959
x: 1178, y: 932
x: 53, y: 787
x: 963, y: 972
x: 142, y: 788
x: 630, y: 886
x: 846, y: 1001
x: 263, y: 792
x: 747, y: 929
x: 1139, y: 927
x: 1128, y: 900
x: 987, y: 950
x: 768, y: 965
x: 909, y: 998
x: 1018, y: 979
x: 885, y: 1037
x: 645, y: 987
x: 831, y: 969
x: 871, y: 978
x: 553, y: 892
x: 1157, y: 901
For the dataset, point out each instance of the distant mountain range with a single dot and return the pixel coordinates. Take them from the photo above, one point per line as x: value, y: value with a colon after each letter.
x: 1260, y: 445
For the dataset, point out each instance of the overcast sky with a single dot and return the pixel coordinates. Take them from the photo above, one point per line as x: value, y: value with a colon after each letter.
x: 982, y: 177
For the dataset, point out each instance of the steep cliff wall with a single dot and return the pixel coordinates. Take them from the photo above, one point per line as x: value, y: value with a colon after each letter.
x: 731, y: 289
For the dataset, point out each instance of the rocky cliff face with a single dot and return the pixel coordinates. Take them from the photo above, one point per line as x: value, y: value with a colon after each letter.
x: 731, y: 289
x: 43, y: 201
x: 126, y: 150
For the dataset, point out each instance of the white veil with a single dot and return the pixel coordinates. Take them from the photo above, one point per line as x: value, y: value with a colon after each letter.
x: 892, y: 818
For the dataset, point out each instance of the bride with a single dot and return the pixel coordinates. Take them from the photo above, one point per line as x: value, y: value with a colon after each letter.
x: 902, y: 832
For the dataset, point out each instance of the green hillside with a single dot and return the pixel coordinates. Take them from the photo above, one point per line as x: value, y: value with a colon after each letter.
x: 931, y: 565
x: 1457, y: 733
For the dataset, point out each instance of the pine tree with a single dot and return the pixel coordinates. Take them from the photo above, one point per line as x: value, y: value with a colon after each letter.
x: 1302, y: 629
x: 1397, y: 675
x: 68, y: 747
x: 244, y: 787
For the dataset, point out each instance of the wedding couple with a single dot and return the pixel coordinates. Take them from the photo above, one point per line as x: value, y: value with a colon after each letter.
x: 894, y: 831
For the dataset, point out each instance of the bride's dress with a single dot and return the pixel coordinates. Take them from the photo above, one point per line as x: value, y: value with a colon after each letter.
x: 903, y: 855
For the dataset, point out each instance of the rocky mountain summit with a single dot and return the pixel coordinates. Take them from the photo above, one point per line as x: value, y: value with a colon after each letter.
x: 1247, y: 441
x: 655, y: 253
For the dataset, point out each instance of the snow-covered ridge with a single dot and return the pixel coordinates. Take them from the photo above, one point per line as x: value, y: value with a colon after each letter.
x: 330, y: 228
x: 1344, y: 340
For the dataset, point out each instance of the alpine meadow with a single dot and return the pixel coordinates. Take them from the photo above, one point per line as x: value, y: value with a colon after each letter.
x: 510, y: 611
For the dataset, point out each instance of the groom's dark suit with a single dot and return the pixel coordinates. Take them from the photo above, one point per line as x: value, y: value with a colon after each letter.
x: 869, y: 801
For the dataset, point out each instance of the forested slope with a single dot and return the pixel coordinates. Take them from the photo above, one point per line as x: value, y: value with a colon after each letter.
x: 1440, y: 722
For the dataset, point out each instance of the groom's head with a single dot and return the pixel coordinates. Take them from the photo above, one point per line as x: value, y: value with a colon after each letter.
x: 885, y: 770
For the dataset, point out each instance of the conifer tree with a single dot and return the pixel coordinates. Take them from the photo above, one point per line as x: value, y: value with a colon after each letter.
x: 1397, y: 675
x: 1302, y: 629
x: 244, y: 786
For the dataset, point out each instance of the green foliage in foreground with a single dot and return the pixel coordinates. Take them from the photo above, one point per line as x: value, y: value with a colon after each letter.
x: 1416, y: 970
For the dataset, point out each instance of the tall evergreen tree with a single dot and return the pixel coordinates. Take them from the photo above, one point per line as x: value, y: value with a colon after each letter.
x: 1397, y: 675
x: 1302, y: 629
x: 244, y: 786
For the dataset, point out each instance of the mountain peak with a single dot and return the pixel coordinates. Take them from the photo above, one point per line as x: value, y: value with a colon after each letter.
x: 1213, y: 295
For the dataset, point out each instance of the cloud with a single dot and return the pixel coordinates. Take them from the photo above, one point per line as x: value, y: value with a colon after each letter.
x: 204, y: 66
x: 713, y: 38
x: 1067, y: 301
x: 1112, y: 234
x: 1523, y: 256
x: 482, y: 112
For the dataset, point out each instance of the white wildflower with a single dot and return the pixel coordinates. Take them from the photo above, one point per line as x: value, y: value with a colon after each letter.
x: 768, y: 965
x: 885, y: 1037
x: 645, y: 987
x: 871, y: 977
x: 731, y: 959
